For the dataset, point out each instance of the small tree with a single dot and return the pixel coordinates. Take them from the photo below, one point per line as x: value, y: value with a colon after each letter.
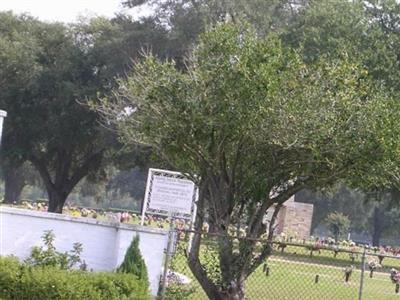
x: 47, y: 255
x: 133, y: 262
x: 252, y: 124
x: 337, y: 224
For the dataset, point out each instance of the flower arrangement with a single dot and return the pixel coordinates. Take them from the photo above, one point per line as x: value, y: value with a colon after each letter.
x: 395, y: 278
x: 347, y: 272
x: 373, y: 264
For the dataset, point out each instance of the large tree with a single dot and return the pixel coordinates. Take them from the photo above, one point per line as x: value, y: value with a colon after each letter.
x: 384, y: 219
x: 65, y: 141
x: 369, y: 30
x: 49, y: 72
x: 251, y: 123
x: 187, y: 19
x: 46, y: 73
x: 18, y: 72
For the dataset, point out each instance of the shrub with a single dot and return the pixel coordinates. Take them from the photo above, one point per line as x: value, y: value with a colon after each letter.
x: 47, y: 255
x: 24, y: 282
x: 177, y: 291
x: 338, y: 224
x: 133, y: 262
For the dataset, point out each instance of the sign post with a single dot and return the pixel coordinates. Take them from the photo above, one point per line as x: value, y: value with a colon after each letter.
x: 172, y: 195
x: 168, y: 256
x: 3, y: 114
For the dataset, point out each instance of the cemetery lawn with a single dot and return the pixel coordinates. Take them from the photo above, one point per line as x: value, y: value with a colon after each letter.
x: 293, y: 277
x: 296, y: 280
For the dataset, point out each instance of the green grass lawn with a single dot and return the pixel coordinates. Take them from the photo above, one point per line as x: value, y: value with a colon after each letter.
x: 292, y: 276
x: 296, y: 280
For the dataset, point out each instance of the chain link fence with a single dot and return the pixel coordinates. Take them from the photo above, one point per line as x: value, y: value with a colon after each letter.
x: 293, y: 271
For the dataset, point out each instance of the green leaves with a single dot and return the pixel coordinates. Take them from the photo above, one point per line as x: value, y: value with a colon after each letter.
x: 48, y: 256
x: 323, y: 119
x: 338, y: 224
x: 254, y: 122
x: 19, y: 281
x: 134, y: 263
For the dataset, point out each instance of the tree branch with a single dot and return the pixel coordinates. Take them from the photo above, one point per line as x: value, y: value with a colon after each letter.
x: 193, y: 258
x: 267, y: 249
x: 43, y: 171
x: 84, y: 169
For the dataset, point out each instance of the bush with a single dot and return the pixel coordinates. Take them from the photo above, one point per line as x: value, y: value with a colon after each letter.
x: 24, y: 282
x: 49, y: 256
x: 133, y: 262
x: 176, y: 291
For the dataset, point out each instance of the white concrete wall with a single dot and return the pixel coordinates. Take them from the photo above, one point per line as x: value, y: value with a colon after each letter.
x: 104, y: 243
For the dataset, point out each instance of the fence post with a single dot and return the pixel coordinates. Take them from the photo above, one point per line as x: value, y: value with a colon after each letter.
x: 167, y: 259
x: 362, y: 274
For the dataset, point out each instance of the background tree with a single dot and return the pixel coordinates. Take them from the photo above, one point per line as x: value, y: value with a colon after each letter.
x: 374, y: 214
x: 47, y: 125
x: 342, y: 199
x: 384, y: 218
x: 16, y: 179
x: 66, y: 143
x: 49, y: 73
x: 338, y: 224
x: 187, y: 19
x: 368, y: 30
x: 252, y: 124
x: 18, y: 71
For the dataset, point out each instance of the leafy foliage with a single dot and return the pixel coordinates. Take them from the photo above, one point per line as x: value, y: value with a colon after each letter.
x: 252, y: 123
x: 19, y: 281
x: 46, y: 124
x: 50, y: 72
x: 176, y: 291
x: 338, y: 224
x: 133, y: 262
x: 47, y: 255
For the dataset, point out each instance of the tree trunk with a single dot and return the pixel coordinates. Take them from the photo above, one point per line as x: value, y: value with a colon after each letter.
x: 212, y: 227
x: 60, y: 184
x: 56, y: 200
x: 212, y: 290
x: 234, y: 292
x: 336, y: 237
x: 207, y: 285
x: 378, y: 222
x: 234, y: 266
x: 14, y: 183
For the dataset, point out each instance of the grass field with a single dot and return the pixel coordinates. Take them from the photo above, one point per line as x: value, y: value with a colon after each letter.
x: 292, y: 276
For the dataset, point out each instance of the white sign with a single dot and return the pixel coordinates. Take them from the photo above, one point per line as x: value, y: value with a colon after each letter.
x: 169, y: 193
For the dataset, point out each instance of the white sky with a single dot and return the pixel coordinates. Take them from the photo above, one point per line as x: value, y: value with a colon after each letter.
x: 64, y: 10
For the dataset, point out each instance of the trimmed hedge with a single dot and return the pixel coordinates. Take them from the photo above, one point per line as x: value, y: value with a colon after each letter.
x: 18, y: 281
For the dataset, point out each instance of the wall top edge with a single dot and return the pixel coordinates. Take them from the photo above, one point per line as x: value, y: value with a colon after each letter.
x: 83, y: 220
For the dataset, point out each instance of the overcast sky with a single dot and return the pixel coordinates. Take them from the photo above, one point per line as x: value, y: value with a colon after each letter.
x: 63, y: 10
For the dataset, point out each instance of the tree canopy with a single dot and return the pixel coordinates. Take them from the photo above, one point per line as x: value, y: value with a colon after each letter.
x: 253, y: 123
x: 49, y: 72
x: 338, y: 224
